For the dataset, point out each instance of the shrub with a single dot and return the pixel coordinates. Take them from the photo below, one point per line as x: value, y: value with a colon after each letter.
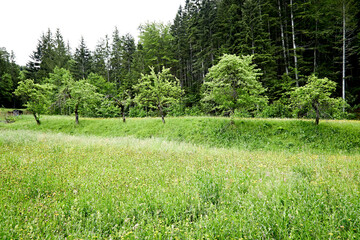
x: 137, y: 112
x: 107, y: 108
x: 175, y: 110
x: 193, y: 111
x: 276, y: 110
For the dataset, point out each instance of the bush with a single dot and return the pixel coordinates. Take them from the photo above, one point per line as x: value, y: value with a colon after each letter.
x: 108, y: 109
x: 137, y: 112
x: 194, y: 111
x: 242, y: 113
x: 276, y: 110
x: 175, y: 110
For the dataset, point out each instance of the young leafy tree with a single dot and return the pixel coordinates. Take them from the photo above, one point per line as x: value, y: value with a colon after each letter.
x: 82, y: 97
x: 102, y: 86
x: 36, y: 97
x: 316, y: 95
x: 233, y: 83
x: 158, y: 90
x: 61, y: 79
x: 123, y: 100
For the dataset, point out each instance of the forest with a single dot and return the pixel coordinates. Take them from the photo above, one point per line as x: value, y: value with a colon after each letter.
x: 286, y: 44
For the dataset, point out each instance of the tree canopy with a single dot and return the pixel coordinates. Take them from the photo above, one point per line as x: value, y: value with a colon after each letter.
x: 158, y: 90
x: 35, y: 96
x: 233, y: 83
x: 316, y: 95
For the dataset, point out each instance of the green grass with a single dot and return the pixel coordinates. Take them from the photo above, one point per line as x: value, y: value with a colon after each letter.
x: 247, y: 134
x: 56, y: 186
x: 192, y: 178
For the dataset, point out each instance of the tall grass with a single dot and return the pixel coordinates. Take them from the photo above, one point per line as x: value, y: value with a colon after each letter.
x: 57, y: 186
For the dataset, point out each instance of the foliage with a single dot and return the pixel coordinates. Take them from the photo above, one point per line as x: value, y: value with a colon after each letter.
x: 82, y: 61
x: 194, y: 111
x: 175, y: 110
x: 107, y: 108
x: 6, y: 87
x: 102, y: 86
x: 156, y: 41
x: 35, y: 96
x: 158, y: 90
x: 137, y: 111
x: 277, y: 109
x: 316, y: 95
x: 233, y: 83
x: 9, y: 77
x: 50, y: 52
x: 83, y: 98
x: 61, y: 79
x: 202, y: 31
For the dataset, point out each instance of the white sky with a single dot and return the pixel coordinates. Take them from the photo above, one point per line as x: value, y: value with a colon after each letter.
x: 23, y: 21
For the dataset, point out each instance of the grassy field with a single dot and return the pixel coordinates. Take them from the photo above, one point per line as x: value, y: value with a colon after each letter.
x: 142, y: 180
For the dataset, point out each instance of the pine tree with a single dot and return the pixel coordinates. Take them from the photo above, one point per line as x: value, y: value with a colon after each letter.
x: 50, y: 52
x: 83, y: 61
x: 156, y: 41
x: 128, y: 50
x: 61, y: 52
x: 101, y: 58
x: 116, y: 59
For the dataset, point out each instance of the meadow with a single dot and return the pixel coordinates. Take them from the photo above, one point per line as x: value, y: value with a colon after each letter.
x: 192, y: 178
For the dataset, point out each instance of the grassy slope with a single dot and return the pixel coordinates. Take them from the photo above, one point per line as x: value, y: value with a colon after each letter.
x: 57, y: 186
x: 250, y: 134
x: 270, y: 178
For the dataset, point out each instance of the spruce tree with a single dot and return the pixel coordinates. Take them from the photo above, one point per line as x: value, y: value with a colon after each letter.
x: 83, y: 61
x: 116, y: 59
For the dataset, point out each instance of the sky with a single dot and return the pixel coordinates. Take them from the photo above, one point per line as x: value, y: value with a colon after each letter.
x: 22, y: 22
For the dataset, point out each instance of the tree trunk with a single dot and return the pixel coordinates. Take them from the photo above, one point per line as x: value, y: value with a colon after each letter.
x: 37, y: 119
x: 123, y: 113
x: 316, y: 45
x: 76, y: 115
x: 283, y: 39
x: 232, y: 114
x: 294, y: 43
x: 344, y: 54
x: 317, y: 111
x: 162, y: 114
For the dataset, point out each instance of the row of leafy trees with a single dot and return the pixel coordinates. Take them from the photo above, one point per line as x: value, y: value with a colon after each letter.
x: 61, y: 93
x: 230, y: 85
